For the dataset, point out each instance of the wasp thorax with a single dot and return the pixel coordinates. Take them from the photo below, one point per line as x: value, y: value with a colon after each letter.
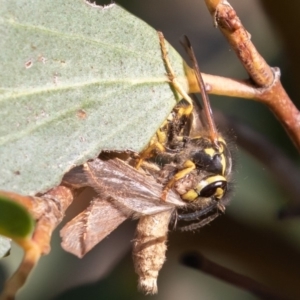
x: 206, y: 156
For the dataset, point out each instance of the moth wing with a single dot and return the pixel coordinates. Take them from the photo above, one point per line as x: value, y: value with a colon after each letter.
x: 130, y: 190
x: 123, y: 192
x: 76, y: 178
x: 91, y: 226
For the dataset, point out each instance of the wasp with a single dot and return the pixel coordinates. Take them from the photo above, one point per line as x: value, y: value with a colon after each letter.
x: 193, y: 157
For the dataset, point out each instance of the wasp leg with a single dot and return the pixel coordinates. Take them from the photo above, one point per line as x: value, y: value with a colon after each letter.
x: 148, y: 152
x: 156, y: 144
x: 183, y: 111
x: 189, y: 166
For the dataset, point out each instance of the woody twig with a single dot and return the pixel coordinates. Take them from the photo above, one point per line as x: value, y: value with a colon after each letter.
x: 48, y: 211
x: 199, y: 262
x: 264, y: 84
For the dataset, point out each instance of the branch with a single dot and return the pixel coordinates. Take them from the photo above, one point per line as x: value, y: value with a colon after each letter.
x: 48, y: 210
x: 199, y: 262
x: 265, y: 87
x: 239, y: 38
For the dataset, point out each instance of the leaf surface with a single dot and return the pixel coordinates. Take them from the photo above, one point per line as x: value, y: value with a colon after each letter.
x: 75, y: 79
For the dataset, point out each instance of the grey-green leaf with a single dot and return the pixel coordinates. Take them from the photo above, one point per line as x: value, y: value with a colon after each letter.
x: 75, y: 79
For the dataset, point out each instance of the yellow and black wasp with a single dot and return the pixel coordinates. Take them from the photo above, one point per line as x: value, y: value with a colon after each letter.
x: 193, y: 157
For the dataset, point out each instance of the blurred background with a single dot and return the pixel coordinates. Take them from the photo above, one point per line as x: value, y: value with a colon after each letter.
x: 250, y: 238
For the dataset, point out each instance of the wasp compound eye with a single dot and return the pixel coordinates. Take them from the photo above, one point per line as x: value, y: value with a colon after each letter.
x: 216, y: 189
x: 213, y: 186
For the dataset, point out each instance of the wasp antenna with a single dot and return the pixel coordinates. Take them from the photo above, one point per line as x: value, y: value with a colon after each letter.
x: 206, y: 103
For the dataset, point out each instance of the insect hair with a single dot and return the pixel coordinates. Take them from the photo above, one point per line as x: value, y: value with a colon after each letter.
x: 200, y: 224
